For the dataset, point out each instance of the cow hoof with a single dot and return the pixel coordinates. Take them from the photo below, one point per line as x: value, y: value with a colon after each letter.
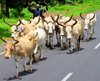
x: 25, y: 70
x: 87, y: 39
x: 15, y: 76
x: 76, y: 49
x: 29, y: 71
x: 91, y: 37
x: 35, y: 60
x: 79, y: 48
x: 70, y: 51
x: 52, y: 47
x: 66, y: 46
x: 41, y: 58
x: 62, y: 48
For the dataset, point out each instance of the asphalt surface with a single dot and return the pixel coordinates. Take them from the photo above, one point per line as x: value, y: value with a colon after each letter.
x: 57, y: 65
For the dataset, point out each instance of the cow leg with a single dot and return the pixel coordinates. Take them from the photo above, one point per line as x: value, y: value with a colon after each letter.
x: 49, y: 40
x: 71, y: 50
x: 66, y: 44
x: 30, y: 68
x: 35, y: 50
x: 76, y: 45
x: 24, y: 64
x: 57, y: 37
x: 41, y: 53
x: 62, y: 43
x: 91, y: 33
x: 52, y: 46
x: 16, y: 64
x: 46, y: 40
x: 87, y: 35
x: 34, y: 58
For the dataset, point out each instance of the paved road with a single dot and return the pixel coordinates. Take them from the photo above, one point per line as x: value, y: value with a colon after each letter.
x: 59, y: 65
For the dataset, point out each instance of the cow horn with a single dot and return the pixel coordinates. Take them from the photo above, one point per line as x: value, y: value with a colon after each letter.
x: 35, y: 35
x: 3, y: 39
x: 47, y: 12
x: 9, y: 30
x: 69, y: 18
x: 15, y: 41
x: 44, y: 19
x: 18, y: 24
x: 74, y: 22
x: 82, y: 16
x: 65, y: 13
x: 7, y: 23
x: 53, y: 17
x: 92, y: 17
x: 20, y: 20
x: 38, y: 21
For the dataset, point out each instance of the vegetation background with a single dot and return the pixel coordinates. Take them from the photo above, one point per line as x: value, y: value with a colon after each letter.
x: 11, y: 9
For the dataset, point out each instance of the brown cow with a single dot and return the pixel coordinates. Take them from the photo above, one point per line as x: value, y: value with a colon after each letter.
x: 21, y: 48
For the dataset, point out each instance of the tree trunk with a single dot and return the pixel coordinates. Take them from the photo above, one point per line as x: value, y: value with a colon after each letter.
x: 7, y: 9
x: 1, y: 10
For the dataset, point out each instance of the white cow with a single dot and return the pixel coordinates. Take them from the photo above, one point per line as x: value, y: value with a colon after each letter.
x: 16, y: 27
x: 90, y: 22
x: 40, y: 40
x: 49, y: 28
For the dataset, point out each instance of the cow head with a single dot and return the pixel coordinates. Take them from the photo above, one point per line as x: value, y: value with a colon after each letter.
x: 14, y: 27
x: 10, y: 47
x: 87, y: 21
x: 16, y: 34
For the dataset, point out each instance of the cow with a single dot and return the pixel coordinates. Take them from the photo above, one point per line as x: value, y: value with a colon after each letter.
x: 49, y: 28
x: 25, y: 29
x: 62, y: 32
x: 40, y: 41
x: 57, y: 29
x: 74, y: 31
x: 90, y: 22
x: 21, y: 48
x: 16, y: 27
x: 40, y: 24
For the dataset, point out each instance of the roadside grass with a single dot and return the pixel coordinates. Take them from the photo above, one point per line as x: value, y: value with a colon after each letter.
x: 85, y: 7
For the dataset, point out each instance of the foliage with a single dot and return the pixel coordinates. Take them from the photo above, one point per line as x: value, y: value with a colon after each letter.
x: 80, y: 1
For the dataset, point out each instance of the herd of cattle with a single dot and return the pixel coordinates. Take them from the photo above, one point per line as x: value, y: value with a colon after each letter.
x: 39, y: 32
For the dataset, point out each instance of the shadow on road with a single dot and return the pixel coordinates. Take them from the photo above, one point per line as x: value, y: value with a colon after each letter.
x: 20, y: 75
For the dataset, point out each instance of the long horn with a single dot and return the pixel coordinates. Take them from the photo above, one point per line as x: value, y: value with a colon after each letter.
x: 82, y: 16
x: 16, y: 41
x: 65, y: 13
x: 69, y: 18
x: 60, y: 23
x: 46, y: 4
x: 92, y: 17
x: 7, y: 23
x: 37, y: 21
x: 74, y: 22
x: 3, y: 39
x: 20, y: 20
x: 47, y: 12
x: 53, y: 17
x: 35, y: 35
x: 9, y: 30
x: 18, y: 24
x: 44, y: 19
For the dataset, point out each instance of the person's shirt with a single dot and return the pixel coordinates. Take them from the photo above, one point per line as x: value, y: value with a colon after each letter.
x: 35, y: 12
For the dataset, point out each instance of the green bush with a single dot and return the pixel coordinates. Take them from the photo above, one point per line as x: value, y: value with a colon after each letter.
x: 80, y: 1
